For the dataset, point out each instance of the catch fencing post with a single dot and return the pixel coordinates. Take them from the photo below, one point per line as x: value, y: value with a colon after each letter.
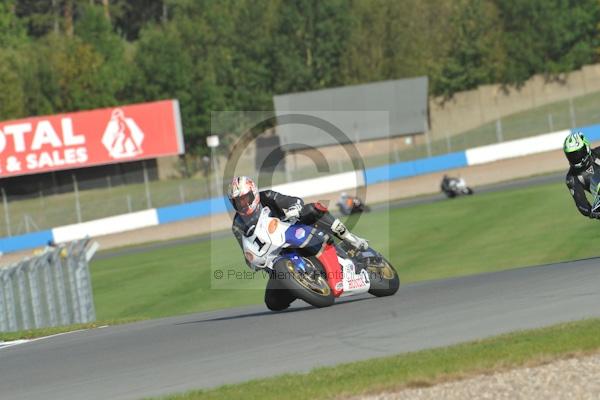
x: 395, y: 151
x: 6, y: 212
x: 52, y: 319
x: 427, y: 141
x: 499, y: 135
x: 11, y: 311
x: 147, y: 185
x: 572, y: 112
x: 3, y: 311
x: 550, y: 122
x: 448, y: 145
x: 77, y: 205
x: 181, y: 193
x: 23, y: 303
x: 61, y: 293
x: 129, y: 207
x: 32, y: 275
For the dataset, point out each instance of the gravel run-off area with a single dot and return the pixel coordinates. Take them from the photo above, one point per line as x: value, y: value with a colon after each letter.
x: 575, y: 378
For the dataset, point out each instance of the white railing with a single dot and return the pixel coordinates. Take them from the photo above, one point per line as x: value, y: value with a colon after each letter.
x: 50, y: 289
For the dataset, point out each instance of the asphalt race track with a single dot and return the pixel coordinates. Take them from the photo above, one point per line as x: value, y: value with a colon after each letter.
x: 204, y: 350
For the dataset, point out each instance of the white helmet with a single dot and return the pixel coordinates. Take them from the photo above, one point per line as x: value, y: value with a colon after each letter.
x: 243, y: 195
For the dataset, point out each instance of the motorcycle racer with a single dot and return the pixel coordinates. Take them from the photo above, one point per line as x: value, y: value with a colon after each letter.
x: 583, y: 161
x: 247, y: 201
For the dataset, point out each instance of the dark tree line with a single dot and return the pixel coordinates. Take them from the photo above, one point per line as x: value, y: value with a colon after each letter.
x: 65, y: 55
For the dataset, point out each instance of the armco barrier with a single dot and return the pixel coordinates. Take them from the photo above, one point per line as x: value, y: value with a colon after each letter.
x: 416, y: 167
x: 516, y: 148
x: 105, y: 226
x: 24, y: 242
x: 311, y: 187
x: 194, y: 209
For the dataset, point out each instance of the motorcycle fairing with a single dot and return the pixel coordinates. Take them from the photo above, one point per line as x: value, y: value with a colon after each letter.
x: 304, y: 237
x: 352, y: 282
x: 333, y: 270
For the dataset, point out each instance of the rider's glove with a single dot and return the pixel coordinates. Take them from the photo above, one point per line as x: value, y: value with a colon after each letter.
x: 293, y: 212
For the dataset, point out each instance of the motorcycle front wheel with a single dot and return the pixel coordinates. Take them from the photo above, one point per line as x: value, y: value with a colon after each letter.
x: 384, y: 279
x: 310, y: 285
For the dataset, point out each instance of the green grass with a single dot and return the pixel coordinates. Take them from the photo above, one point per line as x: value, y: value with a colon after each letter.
x: 483, y: 233
x: 37, y: 333
x: 421, y: 368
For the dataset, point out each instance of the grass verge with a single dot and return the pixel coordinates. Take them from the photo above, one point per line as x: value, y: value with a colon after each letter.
x: 421, y: 368
x: 37, y: 333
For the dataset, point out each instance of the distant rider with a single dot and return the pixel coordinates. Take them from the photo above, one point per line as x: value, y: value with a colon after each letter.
x: 445, y: 185
x: 248, y: 202
x: 346, y: 203
x: 583, y: 160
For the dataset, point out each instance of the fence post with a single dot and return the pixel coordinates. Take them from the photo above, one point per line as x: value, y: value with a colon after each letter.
x: 36, y: 306
x: 550, y: 122
x: 84, y: 287
x: 572, y: 112
x: 147, y: 185
x: 49, y: 289
x: 427, y: 141
x: 448, y: 144
x: 3, y: 308
x: 42, y: 201
x: 499, y: 135
x: 288, y: 173
x: 181, y: 193
x: 77, y: 205
x: 24, y: 305
x: 6, y: 212
x: 11, y: 312
x: 129, y: 207
x: 59, y: 280
x: 75, y: 301
x: 396, y: 153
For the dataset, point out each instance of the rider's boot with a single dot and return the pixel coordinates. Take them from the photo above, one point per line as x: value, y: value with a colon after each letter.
x: 318, y: 212
x: 340, y: 230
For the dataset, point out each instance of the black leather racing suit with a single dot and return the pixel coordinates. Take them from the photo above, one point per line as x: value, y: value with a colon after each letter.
x: 578, y: 181
x: 278, y: 204
x: 275, y: 298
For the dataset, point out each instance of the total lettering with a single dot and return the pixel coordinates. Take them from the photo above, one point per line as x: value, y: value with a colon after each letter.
x: 43, y: 135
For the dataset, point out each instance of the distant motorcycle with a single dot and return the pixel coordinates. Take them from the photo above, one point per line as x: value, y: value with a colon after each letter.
x: 453, y: 187
x: 352, y: 205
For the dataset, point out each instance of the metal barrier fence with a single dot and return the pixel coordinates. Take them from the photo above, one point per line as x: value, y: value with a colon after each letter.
x: 50, y: 289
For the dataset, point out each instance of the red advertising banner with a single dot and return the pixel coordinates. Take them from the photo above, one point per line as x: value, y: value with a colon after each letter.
x: 87, y: 138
